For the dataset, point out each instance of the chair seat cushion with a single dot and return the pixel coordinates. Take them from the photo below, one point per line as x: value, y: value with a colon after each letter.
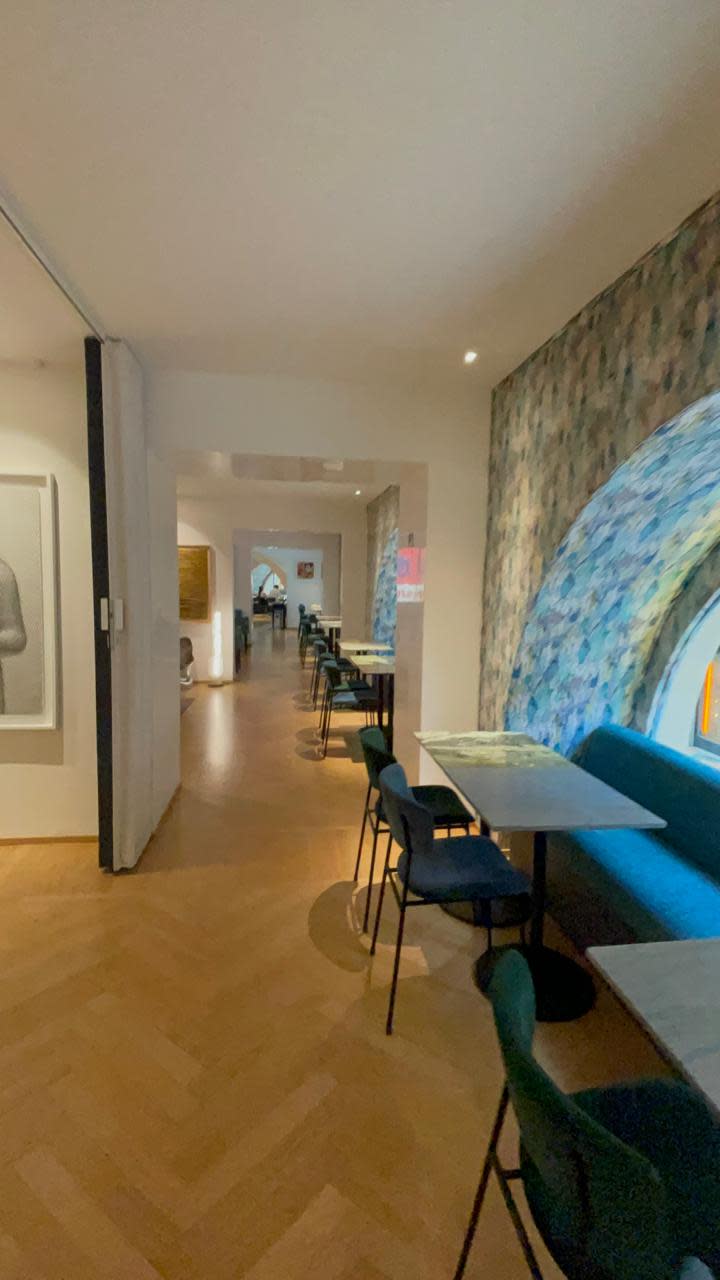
x: 644, y: 881
x: 350, y: 697
x: 461, y: 869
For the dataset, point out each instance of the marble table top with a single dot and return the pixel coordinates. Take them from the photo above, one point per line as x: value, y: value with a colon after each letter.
x: 673, y: 989
x: 349, y: 647
x: 516, y: 784
x: 374, y: 664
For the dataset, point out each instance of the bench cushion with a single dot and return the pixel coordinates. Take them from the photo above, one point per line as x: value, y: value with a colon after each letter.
x: 645, y: 884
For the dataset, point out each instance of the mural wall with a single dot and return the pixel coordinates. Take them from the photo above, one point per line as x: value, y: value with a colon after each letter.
x: 590, y: 650
x: 630, y: 361
x: 383, y: 516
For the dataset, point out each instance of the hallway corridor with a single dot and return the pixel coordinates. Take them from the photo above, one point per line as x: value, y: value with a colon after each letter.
x: 194, y: 1078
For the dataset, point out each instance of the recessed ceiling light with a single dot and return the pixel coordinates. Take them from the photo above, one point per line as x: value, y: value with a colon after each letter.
x: 470, y: 357
x: 358, y: 492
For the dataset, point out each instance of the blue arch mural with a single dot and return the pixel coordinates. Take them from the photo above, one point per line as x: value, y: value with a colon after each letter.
x: 384, y: 617
x: 593, y: 626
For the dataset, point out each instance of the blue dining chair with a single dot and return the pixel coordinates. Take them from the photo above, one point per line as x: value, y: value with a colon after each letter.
x: 447, y: 809
x: 462, y: 869
x: 623, y: 1183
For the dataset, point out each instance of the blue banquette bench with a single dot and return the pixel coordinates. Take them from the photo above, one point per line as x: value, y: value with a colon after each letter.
x: 628, y: 886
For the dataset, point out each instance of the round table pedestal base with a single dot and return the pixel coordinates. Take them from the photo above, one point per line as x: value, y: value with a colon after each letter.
x: 563, y: 991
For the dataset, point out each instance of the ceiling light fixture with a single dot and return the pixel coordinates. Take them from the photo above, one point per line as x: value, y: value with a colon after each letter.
x: 470, y: 357
x: 358, y: 492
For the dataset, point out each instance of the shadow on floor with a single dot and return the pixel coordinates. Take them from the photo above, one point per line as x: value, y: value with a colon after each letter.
x: 334, y: 926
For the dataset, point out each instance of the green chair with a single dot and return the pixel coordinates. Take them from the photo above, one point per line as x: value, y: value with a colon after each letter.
x: 447, y: 809
x: 623, y: 1183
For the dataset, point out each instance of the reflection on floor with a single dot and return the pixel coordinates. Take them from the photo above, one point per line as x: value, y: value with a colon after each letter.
x: 194, y: 1079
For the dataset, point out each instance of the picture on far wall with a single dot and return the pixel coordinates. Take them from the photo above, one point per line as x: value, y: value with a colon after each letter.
x: 28, y: 603
x: 306, y: 568
x: 194, y: 578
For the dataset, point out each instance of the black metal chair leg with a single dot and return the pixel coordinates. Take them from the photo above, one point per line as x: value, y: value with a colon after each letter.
x: 396, y: 966
x: 366, y: 917
x: 327, y: 727
x: 482, y: 1185
x: 378, y: 913
x: 362, y: 833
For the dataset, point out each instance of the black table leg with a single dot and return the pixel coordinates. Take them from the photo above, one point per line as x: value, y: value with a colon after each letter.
x: 563, y: 990
x: 390, y: 731
x: 380, y: 686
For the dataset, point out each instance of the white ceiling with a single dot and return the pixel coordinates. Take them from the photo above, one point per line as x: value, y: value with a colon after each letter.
x: 357, y: 188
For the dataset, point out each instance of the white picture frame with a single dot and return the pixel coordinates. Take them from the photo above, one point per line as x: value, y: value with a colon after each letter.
x: 33, y: 546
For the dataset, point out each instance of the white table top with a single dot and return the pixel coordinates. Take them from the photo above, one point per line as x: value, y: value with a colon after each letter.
x: 328, y: 620
x: 349, y: 647
x: 374, y: 664
x: 673, y: 989
x: 516, y: 784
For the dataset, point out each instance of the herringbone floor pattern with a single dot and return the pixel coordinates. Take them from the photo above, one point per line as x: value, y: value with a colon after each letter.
x: 194, y: 1079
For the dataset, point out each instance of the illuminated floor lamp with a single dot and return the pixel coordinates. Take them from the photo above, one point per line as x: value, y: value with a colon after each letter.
x: 217, y: 677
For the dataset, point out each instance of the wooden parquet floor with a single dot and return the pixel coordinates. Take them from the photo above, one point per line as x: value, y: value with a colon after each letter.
x: 194, y: 1079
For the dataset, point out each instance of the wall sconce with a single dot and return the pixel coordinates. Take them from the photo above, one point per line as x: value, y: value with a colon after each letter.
x: 217, y: 677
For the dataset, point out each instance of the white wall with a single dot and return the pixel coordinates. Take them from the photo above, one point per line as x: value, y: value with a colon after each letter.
x: 448, y: 430
x: 48, y: 778
x: 233, y: 528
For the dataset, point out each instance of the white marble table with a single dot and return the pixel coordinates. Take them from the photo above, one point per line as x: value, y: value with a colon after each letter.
x: 515, y: 784
x: 673, y: 989
x: 350, y: 647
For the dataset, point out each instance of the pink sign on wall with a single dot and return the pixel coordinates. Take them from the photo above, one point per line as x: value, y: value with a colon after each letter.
x: 410, y: 575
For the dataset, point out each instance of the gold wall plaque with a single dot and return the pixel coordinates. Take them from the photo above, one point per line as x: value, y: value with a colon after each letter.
x: 194, y: 574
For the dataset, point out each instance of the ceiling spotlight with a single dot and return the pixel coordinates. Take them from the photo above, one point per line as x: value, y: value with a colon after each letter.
x: 470, y: 357
x: 358, y: 492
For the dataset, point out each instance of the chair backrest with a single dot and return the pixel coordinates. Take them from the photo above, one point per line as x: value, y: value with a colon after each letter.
x: 332, y: 673
x: 411, y: 823
x: 600, y: 1205
x: 375, y: 753
x: 678, y: 787
x: 301, y: 609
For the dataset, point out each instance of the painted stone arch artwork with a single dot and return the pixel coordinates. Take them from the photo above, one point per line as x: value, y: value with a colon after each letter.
x: 592, y: 629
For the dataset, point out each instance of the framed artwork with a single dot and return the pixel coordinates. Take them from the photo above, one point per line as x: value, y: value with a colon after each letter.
x: 306, y: 569
x: 28, y: 602
x: 194, y: 576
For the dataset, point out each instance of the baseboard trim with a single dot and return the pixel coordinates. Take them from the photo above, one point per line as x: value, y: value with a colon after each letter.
x: 10, y: 840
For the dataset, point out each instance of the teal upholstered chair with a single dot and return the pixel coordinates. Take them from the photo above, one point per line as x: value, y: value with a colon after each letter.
x: 447, y: 809
x: 464, y: 869
x: 623, y: 1183
x: 342, y: 695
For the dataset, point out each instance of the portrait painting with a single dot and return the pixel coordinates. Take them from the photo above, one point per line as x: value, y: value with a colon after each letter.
x: 306, y: 569
x: 28, y: 603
